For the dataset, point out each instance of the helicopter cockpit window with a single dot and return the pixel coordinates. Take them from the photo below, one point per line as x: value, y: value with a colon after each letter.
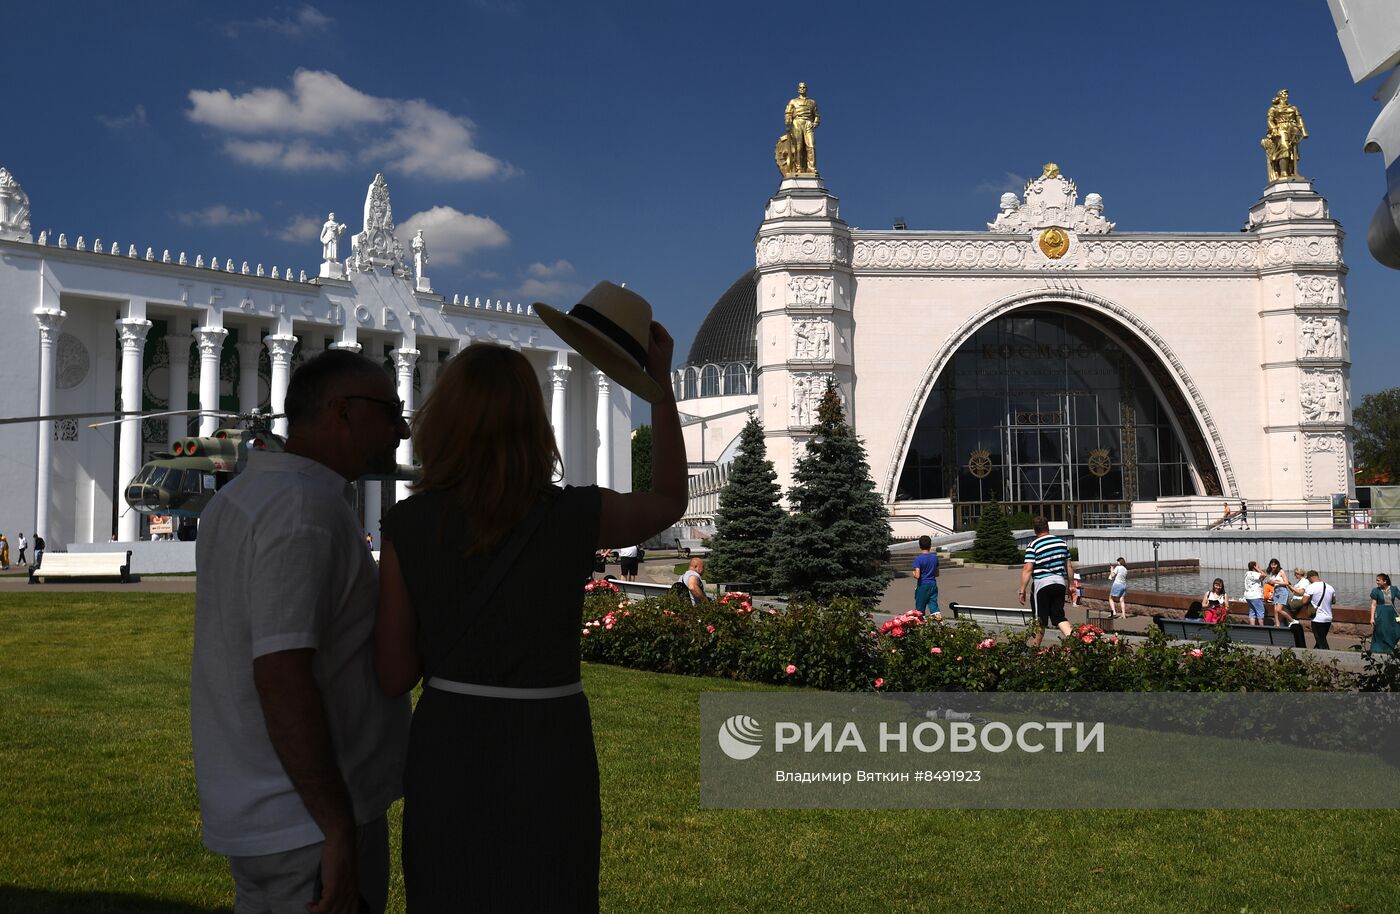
x: 190, y: 483
x: 153, y: 476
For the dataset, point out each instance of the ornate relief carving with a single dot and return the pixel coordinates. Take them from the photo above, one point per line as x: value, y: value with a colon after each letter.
x: 1317, y: 290
x: 1322, y: 396
x: 1321, y: 338
x: 14, y: 208
x: 65, y: 430
x: 809, y: 291
x: 805, y: 248
x: 71, y: 362
x: 377, y: 245
x: 811, y: 339
x: 1319, y: 451
x: 976, y: 255
x: 1051, y: 200
x: 807, y: 390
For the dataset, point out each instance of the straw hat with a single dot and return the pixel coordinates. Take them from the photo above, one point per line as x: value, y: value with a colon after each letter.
x: 611, y: 328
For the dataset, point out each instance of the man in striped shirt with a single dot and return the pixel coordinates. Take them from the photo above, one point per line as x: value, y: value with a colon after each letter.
x: 1048, y: 571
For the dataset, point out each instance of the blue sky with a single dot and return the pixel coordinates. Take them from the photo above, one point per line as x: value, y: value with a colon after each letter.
x: 546, y: 145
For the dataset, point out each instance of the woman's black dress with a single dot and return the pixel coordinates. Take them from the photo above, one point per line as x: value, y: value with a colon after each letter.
x: 501, y: 808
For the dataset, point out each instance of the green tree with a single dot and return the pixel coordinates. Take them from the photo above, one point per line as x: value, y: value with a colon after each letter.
x: 748, y: 515
x: 837, y: 539
x: 641, y: 458
x: 1377, y: 424
x: 994, y: 544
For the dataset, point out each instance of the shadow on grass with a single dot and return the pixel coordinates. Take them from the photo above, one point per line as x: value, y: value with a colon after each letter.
x: 14, y: 900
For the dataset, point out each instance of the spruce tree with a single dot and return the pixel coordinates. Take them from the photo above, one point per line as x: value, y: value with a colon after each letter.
x: 748, y: 515
x: 641, y: 458
x: 994, y: 544
x: 836, y: 541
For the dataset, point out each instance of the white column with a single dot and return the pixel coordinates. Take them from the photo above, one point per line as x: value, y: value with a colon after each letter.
x: 249, y: 351
x: 559, y: 407
x: 428, y: 367
x: 279, y: 350
x: 404, y: 360
x: 211, y: 346
x: 132, y: 331
x: 177, y: 347
x: 49, y: 323
x: 604, y: 430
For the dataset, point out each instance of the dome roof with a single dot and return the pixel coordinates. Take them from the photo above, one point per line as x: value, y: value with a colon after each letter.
x: 730, y: 331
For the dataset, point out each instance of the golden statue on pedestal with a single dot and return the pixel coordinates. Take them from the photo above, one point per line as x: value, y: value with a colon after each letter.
x: 1286, y: 133
x: 796, y: 153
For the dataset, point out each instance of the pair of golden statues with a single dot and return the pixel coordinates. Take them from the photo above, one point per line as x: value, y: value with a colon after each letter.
x: 796, y: 153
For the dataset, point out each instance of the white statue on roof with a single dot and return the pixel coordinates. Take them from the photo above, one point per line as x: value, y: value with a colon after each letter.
x: 14, y: 209
x: 377, y: 245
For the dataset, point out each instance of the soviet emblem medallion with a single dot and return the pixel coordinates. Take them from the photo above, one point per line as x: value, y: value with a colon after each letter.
x: 1099, y: 461
x: 979, y: 463
x: 1054, y: 242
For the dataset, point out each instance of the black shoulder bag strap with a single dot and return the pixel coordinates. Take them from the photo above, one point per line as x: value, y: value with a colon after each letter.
x: 495, y: 573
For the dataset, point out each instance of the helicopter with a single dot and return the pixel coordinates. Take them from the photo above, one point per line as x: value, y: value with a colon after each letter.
x: 180, y: 482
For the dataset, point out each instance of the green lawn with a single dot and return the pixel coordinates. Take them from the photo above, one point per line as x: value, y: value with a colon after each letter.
x: 100, y: 812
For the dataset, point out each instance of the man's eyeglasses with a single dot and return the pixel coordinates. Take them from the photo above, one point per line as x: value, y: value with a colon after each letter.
x: 393, y: 407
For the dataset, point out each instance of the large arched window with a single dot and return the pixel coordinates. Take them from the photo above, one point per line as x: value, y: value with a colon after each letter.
x: 691, y: 378
x: 1045, y: 413
x: 709, y: 381
x: 735, y: 379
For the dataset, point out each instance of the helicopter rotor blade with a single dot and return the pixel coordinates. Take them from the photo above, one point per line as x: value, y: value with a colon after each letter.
x: 170, y: 412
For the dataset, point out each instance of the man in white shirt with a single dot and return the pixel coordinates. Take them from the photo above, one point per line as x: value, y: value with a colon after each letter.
x: 297, y: 752
x: 1320, y: 595
x: 694, y: 581
x: 627, y: 560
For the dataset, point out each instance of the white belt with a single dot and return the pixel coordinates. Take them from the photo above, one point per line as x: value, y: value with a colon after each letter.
x: 484, y: 691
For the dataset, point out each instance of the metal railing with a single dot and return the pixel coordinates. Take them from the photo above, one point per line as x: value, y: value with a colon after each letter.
x: 1254, y: 519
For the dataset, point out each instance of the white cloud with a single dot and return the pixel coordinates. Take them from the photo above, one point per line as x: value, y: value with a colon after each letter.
x: 303, y: 21
x: 137, y: 118
x: 319, y: 102
x: 408, y: 136
x: 549, y: 291
x: 550, y: 270
x: 217, y: 216
x: 451, y: 234
x: 297, y: 155
x: 1009, y: 183
x: 301, y: 228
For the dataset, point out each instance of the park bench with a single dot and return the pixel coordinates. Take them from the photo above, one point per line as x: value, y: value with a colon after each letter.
x: 83, y: 565
x: 992, y: 615
x: 640, y: 590
x: 1197, y: 630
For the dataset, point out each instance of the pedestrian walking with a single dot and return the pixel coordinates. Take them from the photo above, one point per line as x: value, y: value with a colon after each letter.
x: 1385, y: 628
x: 628, y: 560
x: 926, y: 581
x: 23, y: 545
x: 1047, y: 571
x: 1118, y: 589
x: 1276, y: 591
x: 1319, y: 595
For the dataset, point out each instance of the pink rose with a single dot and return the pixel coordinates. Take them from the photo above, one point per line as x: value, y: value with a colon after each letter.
x: 1087, y: 639
x: 1196, y: 652
x: 897, y: 632
x: 790, y: 669
x: 585, y: 631
x: 879, y: 683
x: 935, y: 650
x: 983, y: 645
x: 710, y: 629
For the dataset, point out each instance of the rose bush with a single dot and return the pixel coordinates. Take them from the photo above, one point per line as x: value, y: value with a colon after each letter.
x: 837, y: 647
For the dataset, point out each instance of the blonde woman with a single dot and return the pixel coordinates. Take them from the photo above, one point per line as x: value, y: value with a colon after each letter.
x: 501, y: 802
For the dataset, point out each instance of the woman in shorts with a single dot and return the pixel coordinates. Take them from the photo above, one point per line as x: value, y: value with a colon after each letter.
x: 1118, y: 589
x: 1254, y: 593
x: 1275, y: 577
